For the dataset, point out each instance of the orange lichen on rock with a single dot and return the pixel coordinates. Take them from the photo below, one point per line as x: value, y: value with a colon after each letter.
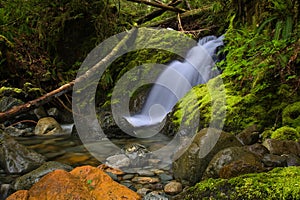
x: 102, y: 186
x: 84, y: 183
x: 19, y: 195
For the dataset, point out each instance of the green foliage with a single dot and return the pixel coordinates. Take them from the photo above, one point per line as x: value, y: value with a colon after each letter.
x: 280, y: 183
x: 291, y: 115
x: 285, y: 133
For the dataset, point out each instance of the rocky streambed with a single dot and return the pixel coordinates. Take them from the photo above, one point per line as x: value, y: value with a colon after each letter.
x: 25, y: 160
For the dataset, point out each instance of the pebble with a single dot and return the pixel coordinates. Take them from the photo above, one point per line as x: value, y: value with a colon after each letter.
x: 155, y: 196
x: 173, y: 188
x: 118, y: 161
x: 143, y: 191
x: 165, y: 178
x: 128, y: 176
x: 145, y: 180
x: 144, y: 172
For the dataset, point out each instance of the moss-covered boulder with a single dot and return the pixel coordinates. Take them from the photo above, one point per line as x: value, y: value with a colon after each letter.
x: 291, y: 115
x: 280, y: 183
x: 189, y: 167
x: 286, y: 133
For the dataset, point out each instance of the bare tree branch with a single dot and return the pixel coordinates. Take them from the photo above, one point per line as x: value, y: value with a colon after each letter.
x: 159, y: 5
x: 16, y: 110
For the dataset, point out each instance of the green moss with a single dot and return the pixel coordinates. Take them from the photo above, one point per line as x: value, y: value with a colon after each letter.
x: 280, y: 183
x: 291, y: 115
x: 285, y: 133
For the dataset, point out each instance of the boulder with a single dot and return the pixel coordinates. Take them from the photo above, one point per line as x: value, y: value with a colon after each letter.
x: 84, y: 182
x: 236, y: 161
x: 16, y: 158
x: 190, y: 166
x: 280, y: 147
x: 249, y: 135
x: 26, y: 181
x: 48, y: 126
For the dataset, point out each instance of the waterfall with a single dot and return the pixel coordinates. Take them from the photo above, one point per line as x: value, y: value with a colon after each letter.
x: 176, y: 80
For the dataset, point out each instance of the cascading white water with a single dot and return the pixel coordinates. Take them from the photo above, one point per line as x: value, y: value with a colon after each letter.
x: 176, y: 80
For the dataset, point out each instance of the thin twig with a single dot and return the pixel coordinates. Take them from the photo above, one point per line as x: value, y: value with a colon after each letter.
x: 159, y: 5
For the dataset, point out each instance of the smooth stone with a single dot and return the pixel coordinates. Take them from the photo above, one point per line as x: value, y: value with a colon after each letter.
x: 173, y: 188
x: 26, y: 181
x: 158, y: 171
x: 118, y: 161
x: 144, y: 172
x: 143, y: 191
x: 113, y: 176
x: 16, y: 158
x: 165, y: 177
x: 128, y: 176
x: 48, y: 126
x: 129, y: 185
x: 145, y: 180
x: 155, y: 196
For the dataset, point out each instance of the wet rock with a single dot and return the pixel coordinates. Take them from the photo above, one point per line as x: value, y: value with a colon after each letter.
x: 143, y: 191
x: 40, y: 112
x: 17, y: 132
x: 128, y: 176
x: 118, y: 161
x: 190, y: 166
x: 271, y: 160
x: 249, y: 136
x: 292, y: 160
x: 145, y: 180
x: 64, y: 117
x: 48, y: 126
x: 101, y: 185
x: 173, y: 188
x: 81, y: 183
x: 7, y: 103
x: 19, y: 195
x: 165, y: 177
x: 16, y: 158
x: 279, y: 147
x: 143, y: 172
x: 245, y: 162
x: 258, y: 149
x: 26, y: 181
x: 155, y: 196
x: 106, y: 168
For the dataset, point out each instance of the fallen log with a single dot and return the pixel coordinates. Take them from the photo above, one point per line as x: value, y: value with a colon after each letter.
x: 17, y: 110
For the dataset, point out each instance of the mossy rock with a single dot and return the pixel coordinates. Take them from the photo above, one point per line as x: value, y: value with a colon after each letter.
x: 291, y: 115
x: 285, y: 133
x: 280, y: 183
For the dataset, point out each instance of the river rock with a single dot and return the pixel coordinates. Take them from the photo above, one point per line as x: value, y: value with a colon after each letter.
x: 155, y: 196
x: 280, y: 147
x: 247, y: 162
x: 144, y: 172
x: 16, y: 158
x: 118, y: 161
x: 81, y: 183
x: 26, y: 181
x: 190, y: 166
x: 145, y: 180
x: 48, y: 126
x: 249, y: 135
x: 7, y: 103
x: 173, y: 188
